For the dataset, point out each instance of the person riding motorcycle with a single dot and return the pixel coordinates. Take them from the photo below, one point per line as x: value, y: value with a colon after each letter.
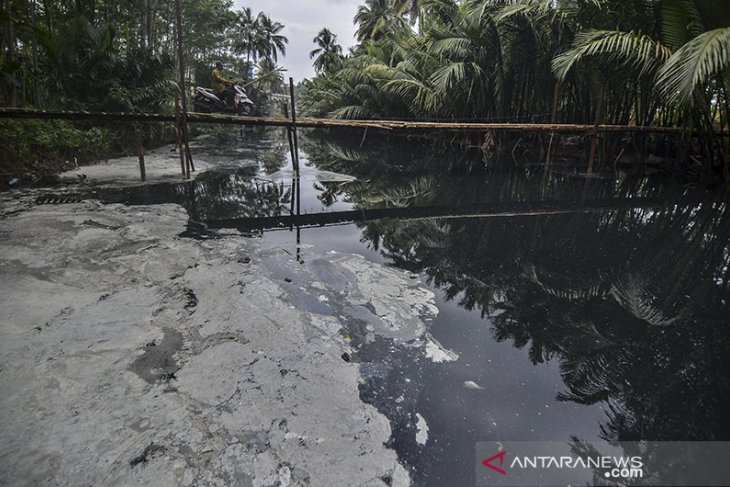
x: 222, y: 87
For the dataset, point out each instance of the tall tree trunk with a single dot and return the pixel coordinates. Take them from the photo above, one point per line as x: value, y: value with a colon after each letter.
x: 143, y: 24
x: 248, y: 60
x: 34, y: 57
x: 151, y: 30
x: 9, y: 49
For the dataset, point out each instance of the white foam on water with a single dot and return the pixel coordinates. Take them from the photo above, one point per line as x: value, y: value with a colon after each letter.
x: 421, y: 430
x: 437, y: 353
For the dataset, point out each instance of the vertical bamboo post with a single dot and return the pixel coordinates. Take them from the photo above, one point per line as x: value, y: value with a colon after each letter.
x: 293, y: 195
x: 294, y: 126
x: 291, y: 142
x: 178, y: 134
x: 295, y: 163
x: 140, y: 155
x: 299, y: 227
x: 299, y: 192
x: 183, y: 96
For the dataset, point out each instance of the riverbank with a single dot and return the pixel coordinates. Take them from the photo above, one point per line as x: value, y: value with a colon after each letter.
x: 131, y: 354
x: 161, y: 165
x: 41, y: 151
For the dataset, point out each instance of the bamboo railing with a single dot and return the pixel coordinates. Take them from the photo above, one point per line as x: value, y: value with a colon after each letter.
x: 194, y: 117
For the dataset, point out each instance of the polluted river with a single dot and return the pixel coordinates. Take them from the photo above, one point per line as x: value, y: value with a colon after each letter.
x: 365, y: 324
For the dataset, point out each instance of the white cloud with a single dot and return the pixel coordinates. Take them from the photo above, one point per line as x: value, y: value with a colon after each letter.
x: 303, y: 20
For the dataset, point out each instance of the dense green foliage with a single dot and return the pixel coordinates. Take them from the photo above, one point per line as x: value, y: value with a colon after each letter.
x: 512, y: 59
x: 42, y: 146
x: 113, y: 54
x: 106, y: 55
x: 636, y: 62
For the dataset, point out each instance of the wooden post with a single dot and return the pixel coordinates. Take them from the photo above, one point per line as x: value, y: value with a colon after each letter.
x: 291, y: 143
x: 299, y: 226
x: 183, y: 96
x: 140, y: 155
x: 299, y: 194
x: 178, y: 134
x: 294, y: 126
x: 293, y: 195
x: 294, y: 162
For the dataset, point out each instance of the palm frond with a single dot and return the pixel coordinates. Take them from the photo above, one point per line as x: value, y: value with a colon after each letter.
x: 452, y: 46
x: 378, y: 71
x: 694, y: 64
x: 629, y: 48
x: 352, y: 76
x: 634, y: 298
x: 527, y: 9
x: 352, y: 112
x: 420, y: 97
x: 451, y: 75
x: 681, y: 21
x: 347, y: 154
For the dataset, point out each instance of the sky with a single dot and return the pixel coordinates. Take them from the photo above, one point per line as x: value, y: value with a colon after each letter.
x: 303, y: 20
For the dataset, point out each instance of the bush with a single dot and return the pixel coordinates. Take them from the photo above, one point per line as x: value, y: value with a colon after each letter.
x: 43, y: 147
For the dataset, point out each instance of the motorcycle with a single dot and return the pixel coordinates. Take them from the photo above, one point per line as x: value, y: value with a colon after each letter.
x: 206, y: 101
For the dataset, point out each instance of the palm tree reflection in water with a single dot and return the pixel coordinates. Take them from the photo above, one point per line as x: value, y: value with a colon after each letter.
x: 632, y: 303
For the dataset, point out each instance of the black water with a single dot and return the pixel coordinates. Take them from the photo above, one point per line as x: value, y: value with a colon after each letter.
x: 606, y: 319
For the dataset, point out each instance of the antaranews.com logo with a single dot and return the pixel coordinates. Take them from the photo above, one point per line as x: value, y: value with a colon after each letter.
x: 601, y: 463
x: 614, y: 467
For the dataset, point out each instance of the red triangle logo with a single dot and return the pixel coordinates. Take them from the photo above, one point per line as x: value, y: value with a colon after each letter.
x: 488, y: 462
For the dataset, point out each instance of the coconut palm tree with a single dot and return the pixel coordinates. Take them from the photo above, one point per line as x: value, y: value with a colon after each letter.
x: 261, y: 38
x: 251, y: 32
x: 272, y: 42
x: 625, y: 62
x: 375, y: 19
x: 328, y: 53
x: 411, y: 8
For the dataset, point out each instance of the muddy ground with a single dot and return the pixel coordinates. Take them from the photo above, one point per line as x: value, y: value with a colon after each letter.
x: 131, y: 354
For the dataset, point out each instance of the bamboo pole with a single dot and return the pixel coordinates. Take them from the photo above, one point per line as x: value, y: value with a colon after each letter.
x: 183, y: 95
x: 291, y: 148
x: 294, y: 126
x: 178, y: 134
x: 140, y: 155
x: 262, y: 77
x: 193, y: 117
